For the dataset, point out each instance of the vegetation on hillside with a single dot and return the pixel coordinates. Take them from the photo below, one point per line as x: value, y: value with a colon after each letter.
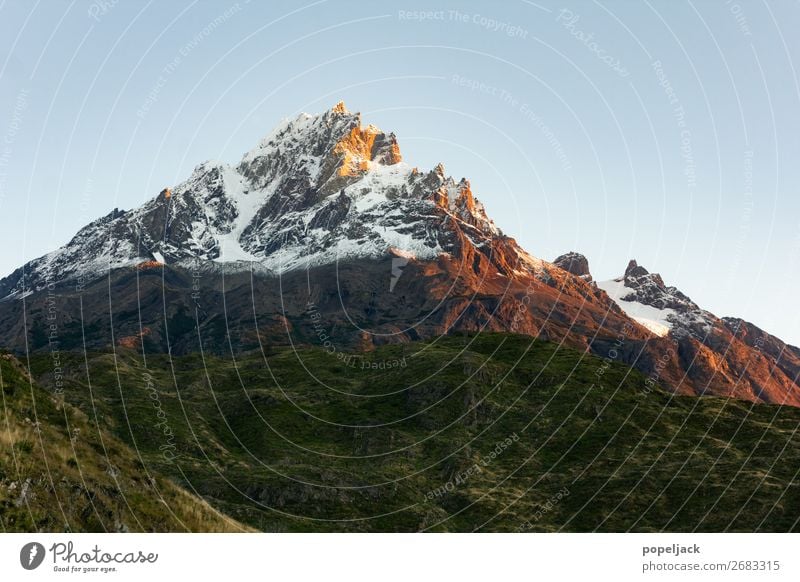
x: 58, y: 472
x: 493, y: 432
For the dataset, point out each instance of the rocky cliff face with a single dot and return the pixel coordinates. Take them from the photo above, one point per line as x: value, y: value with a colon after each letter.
x: 323, y: 231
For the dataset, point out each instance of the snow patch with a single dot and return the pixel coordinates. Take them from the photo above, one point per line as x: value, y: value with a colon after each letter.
x: 654, y: 319
x: 247, y: 204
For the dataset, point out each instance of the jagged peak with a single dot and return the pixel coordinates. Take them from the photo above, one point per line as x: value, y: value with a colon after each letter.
x: 204, y: 167
x: 636, y: 275
x: 328, y: 149
x: 634, y: 269
x: 570, y: 256
x: 286, y: 200
x: 340, y: 107
x: 574, y: 263
x: 292, y: 127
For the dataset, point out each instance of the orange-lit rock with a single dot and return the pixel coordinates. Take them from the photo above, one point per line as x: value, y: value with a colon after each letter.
x: 133, y: 341
x: 340, y: 108
x: 356, y: 150
x: 465, y: 198
x: 363, y: 145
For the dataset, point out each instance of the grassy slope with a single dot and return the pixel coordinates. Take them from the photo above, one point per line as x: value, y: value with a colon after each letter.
x: 59, y: 473
x: 286, y: 445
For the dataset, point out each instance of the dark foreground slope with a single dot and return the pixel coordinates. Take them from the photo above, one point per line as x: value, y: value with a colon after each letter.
x: 493, y: 432
x: 59, y: 473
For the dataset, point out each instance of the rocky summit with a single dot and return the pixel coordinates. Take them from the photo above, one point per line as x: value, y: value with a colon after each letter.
x: 317, y: 190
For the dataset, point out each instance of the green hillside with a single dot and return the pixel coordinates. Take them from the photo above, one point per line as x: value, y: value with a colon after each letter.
x: 58, y: 472
x: 493, y: 432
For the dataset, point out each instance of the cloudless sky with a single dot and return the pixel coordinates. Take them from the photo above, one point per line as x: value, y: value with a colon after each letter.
x: 665, y: 131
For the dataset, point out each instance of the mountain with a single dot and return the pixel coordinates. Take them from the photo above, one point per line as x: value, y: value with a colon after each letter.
x: 317, y: 190
x: 322, y: 236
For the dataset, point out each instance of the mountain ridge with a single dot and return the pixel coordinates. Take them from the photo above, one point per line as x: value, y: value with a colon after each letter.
x: 324, y: 211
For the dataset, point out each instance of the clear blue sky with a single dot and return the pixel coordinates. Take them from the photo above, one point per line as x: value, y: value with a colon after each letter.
x: 665, y: 131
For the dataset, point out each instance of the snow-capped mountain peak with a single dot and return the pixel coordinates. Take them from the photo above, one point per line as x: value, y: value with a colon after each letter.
x: 644, y: 297
x: 317, y: 189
